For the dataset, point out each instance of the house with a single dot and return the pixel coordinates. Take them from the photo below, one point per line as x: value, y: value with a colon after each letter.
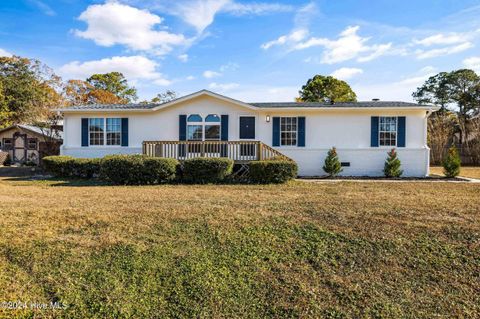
x: 29, y: 143
x: 209, y: 124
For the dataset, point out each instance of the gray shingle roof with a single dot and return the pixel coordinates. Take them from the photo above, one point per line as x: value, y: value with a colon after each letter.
x: 132, y: 106
x: 360, y: 104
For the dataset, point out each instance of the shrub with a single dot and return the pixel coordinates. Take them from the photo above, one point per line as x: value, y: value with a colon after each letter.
x: 275, y: 171
x: 137, y: 169
x: 60, y: 166
x: 85, y: 167
x: 392, y: 165
x: 206, y: 170
x: 68, y: 166
x: 332, y: 165
x: 452, y: 163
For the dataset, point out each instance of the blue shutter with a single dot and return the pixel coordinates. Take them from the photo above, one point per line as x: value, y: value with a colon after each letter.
x: 301, y: 132
x: 224, y: 128
x: 276, y: 131
x: 182, y: 128
x: 224, y: 135
x: 125, y: 131
x: 84, y: 132
x: 182, y: 134
x: 374, y: 132
x: 401, y: 131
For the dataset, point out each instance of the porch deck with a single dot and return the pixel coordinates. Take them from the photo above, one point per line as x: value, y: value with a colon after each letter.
x: 240, y: 152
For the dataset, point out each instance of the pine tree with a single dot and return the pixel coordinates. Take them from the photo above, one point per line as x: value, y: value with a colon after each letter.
x: 332, y: 165
x: 392, y: 165
x: 452, y: 163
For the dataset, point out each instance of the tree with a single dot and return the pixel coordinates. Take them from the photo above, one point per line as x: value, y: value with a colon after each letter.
x: 78, y: 92
x: 392, y: 165
x: 115, y: 83
x: 326, y: 89
x: 451, y: 164
x: 434, y: 91
x: 28, y: 90
x: 332, y: 165
x: 441, y: 128
x: 164, y: 97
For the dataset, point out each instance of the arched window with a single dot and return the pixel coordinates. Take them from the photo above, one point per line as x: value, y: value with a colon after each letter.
x: 194, y: 118
x: 212, y: 118
x: 197, y: 130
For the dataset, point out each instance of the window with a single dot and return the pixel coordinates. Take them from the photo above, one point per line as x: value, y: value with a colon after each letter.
x: 7, y: 144
x: 197, y: 130
x: 105, y: 131
x: 114, y: 131
x: 288, y: 131
x: 32, y: 144
x: 387, y: 131
x: 96, y: 129
x: 212, y: 127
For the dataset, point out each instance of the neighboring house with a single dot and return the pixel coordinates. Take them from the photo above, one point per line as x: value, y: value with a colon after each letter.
x: 209, y: 124
x: 28, y: 143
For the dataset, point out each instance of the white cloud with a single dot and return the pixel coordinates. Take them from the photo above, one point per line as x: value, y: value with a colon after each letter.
x: 132, y: 67
x: 443, y: 39
x: 211, y: 74
x: 292, y: 37
x: 472, y: 63
x: 223, y: 87
x: 201, y: 13
x: 114, y: 23
x: 45, y: 8
x: 5, y: 53
x: 183, y: 57
x: 190, y: 78
x: 426, y: 54
x: 230, y: 66
x: 348, y: 46
x: 346, y: 73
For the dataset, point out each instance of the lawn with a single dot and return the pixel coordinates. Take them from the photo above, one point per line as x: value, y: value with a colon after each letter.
x: 310, y: 250
x: 472, y: 172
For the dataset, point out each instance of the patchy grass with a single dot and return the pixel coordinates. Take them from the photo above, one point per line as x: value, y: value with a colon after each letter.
x: 333, y: 250
x: 467, y: 171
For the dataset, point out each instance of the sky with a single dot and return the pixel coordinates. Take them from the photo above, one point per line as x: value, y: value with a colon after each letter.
x: 253, y: 51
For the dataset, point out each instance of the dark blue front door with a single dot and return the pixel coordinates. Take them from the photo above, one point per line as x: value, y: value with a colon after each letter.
x: 247, y: 127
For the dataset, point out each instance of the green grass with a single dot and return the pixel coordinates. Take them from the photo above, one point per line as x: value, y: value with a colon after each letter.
x: 336, y: 250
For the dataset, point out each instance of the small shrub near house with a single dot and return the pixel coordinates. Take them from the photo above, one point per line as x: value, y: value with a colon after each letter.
x: 206, y: 170
x: 67, y: 166
x: 272, y: 171
x: 332, y: 165
x: 392, y: 165
x: 137, y: 169
x: 452, y: 163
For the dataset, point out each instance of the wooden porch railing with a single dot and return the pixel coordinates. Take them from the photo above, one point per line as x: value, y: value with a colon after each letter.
x: 238, y: 151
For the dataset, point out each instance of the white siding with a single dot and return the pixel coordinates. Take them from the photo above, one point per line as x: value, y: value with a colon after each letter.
x: 348, y: 130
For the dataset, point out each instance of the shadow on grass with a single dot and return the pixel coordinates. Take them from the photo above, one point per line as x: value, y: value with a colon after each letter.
x: 53, y: 181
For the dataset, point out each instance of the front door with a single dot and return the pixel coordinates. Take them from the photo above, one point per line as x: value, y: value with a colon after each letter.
x: 19, y: 148
x: 247, y: 127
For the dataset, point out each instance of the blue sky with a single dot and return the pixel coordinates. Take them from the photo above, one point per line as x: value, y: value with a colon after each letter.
x: 250, y: 50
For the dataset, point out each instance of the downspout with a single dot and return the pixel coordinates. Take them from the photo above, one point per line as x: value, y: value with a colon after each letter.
x: 425, y: 141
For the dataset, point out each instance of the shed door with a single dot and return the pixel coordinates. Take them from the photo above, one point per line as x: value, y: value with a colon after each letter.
x: 19, y: 148
x: 247, y: 127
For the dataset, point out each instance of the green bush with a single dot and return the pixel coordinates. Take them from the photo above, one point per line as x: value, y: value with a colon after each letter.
x: 59, y: 166
x: 68, y: 166
x: 392, y: 165
x: 137, y: 169
x: 452, y: 163
x: 275, y: 171
x: 206, y: 170
x: 332, y: 164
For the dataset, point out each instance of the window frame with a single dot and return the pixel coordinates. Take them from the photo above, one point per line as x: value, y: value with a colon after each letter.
x: 291, y: 131
x: 104, y: 123
x: 30, y: 139
x: 255, y: 127
x: 204, y: 123
x: 380, y: 131
x: 11, y: 144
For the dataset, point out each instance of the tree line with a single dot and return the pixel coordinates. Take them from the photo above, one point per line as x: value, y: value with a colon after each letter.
x: 29, y: 90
